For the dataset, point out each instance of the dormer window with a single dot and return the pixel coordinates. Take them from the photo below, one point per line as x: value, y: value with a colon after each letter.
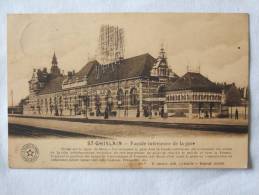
x: 160, y: 68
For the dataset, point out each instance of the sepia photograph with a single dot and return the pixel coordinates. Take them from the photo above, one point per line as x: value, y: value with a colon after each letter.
x: 128, y: 90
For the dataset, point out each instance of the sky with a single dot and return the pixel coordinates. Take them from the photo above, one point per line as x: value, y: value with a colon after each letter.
x: 217, y: 43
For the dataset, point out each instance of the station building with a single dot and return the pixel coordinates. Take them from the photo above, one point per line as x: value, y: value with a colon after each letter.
x: 193, y: 96
x: 133, y: 87
x: 127, y: 87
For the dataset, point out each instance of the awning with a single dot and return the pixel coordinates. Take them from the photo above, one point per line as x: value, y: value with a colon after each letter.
x: 155, y: 99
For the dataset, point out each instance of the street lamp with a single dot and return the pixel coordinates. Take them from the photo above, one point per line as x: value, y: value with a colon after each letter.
x: 109, y: 103
x: 125, y: 103
x: 246, y: 104
x: 119, y: 105
x: 85, y: 99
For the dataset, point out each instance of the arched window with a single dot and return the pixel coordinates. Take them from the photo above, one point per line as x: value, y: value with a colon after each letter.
x: 65, y: 102
x: 55, y: 101
x: 120, y: 97
x: 97, y: 100
x: 108, y: 97
x: 38, y: 105
x: 161, y: 91
x: 75, y: 101
x: 133, y: 96
x: 60, y: 101
x: 50, y: 102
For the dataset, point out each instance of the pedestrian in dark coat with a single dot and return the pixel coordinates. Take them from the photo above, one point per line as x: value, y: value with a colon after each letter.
x: 236, y: 115
x: 106, y: 113
x: 138, y: 113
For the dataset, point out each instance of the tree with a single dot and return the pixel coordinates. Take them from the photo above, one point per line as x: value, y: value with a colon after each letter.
x: 23, y: 101
x: 233, y: 97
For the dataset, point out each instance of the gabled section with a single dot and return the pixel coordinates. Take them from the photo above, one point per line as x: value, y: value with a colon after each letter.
x: 94, y: 73
x: 160, y: 68
x: 38, y: 80
x: 193, y: 81
x: 138, y: 66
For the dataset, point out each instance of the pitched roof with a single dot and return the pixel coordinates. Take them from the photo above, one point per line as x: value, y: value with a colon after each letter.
x: 127, y: 68
x: 53, y: 85
x: 87, y: 68
x: 192, y: 81
x: 54, y: 59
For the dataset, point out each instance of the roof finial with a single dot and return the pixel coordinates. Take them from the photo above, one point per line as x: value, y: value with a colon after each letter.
x: 54, y: 59
x: 162, y: 51
x: 199, y: 66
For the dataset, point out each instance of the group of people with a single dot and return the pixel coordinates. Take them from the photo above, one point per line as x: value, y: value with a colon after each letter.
x: 147, y: 112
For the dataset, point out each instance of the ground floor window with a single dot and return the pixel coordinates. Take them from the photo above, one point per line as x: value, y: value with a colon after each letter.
x: 133, y: 96
x: 120, y: 97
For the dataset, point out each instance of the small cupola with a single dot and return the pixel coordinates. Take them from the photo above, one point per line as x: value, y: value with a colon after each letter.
x: 160, y: 68
x: 55, y: 71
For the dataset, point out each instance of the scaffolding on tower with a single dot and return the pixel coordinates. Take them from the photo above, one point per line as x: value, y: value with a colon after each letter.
x: 111, y: 44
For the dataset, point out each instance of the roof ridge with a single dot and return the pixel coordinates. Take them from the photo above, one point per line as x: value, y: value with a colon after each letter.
x: 145, y: 64
x: 139, y: 56
x: 192, y: 81
x: 132, y: 67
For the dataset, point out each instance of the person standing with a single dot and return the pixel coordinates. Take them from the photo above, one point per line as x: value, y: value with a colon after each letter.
x: 236, y: 114
x: 106, y: 113
x: 138, y: 113
x: 162, y: 112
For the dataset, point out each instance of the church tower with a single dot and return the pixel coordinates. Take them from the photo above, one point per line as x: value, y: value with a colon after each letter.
x: 55, y: 71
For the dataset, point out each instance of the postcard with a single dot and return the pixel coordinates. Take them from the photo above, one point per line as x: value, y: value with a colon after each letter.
x: 128, y: 90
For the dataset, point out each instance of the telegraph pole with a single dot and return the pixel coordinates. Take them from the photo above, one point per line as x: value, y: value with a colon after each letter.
x: 12, y: 100
x: 150, y: 101
x: 86, y: 98
x: 118, y: 90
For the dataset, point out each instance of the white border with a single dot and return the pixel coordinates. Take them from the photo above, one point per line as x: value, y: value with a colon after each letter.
x: 142, y: 182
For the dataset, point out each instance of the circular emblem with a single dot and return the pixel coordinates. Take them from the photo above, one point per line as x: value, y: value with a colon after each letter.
x: 30, y: 152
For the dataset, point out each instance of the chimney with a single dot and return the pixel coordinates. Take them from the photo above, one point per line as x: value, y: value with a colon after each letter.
x: 45, y: 70
x: 69, y: 74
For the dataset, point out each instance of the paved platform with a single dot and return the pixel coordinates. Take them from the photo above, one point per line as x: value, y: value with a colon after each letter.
x: 37, y: 127
x: 225, y: 125
x: 218, y: 121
